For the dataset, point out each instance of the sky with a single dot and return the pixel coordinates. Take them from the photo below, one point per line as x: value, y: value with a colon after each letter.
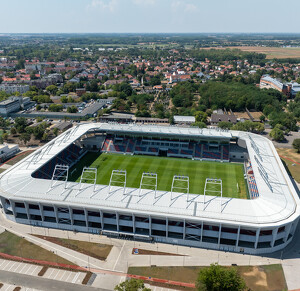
x: 149, y: 16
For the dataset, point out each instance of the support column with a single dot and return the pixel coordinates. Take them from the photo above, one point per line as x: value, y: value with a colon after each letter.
x: 184, y: 229
x: 287, y: 231
x: 274, y: 235
x: 257, y: 238
x: 238, y: 237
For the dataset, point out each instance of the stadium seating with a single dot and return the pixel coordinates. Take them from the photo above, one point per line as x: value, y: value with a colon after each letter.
x: 251, y: 182
x: 68, y: 157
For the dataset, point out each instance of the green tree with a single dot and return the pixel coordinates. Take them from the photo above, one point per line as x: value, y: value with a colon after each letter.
x: 20, y: 124
x: 225, y: 125
x: 201, y: 116
x: 296, y: 144
x: 218, y: 278
x: 52, y: 89
x: 199, y: 124
x: 132, y: 285
x: 5, y: 136
x: 13, y: 131
x: 25, y: 137
x: 55, y: 131
x: 277, y: 133
x: 64, y: 99
x: 72, y: 109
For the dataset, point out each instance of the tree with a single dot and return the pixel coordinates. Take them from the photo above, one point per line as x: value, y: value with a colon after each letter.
x: 72, y: 109
x: 132, y: 285
x: 25, y: 137
x: 277, y: 133
x: 5, y: 136
x: 225, y: 124
x: 20, y: 124
x: 55, y: 131
x: 218, y: 278
x: 199, y: 124
x: 296, y: 144
x: 201, y: 116
x: 13, y: 131
x: 52, y: 89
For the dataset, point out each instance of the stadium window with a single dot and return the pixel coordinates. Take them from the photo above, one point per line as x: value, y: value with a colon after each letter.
x: 230, y: 230
x: 21, y: 215
x: 158, y: 221
x: 35, y: 217
x: 126, y: 229
x: 109, y: 215
x: 34, y: 206
x: 78, y: 211
x: 94, y: 224
x: 158, y: 232
x: 266, y: 232
x: 248, y: 232
x: 79, y: 223
x: 230, y: 242
x: 94, y: 213
x: 142, y: 219
x: 175, y: 223
x: 50, y: 219
x: 19, y: 204
x: 281, y: 229
x: 175, y: 235
x: 64, y: 221
x: 63, y: 210
x: 125, y: 217
x: 142, y: 231
x: 48, y: 208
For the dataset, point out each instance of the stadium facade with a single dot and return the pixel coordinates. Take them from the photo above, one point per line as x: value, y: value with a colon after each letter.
x: 36, y: 191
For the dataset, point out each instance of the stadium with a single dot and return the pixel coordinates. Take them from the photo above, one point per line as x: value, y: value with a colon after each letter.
x: 209, y: 188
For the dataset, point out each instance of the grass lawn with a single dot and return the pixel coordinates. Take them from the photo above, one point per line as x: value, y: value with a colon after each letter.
x: 259, y: 278
x: 166, y: 168
x: 98, y: 251
x: 289, y: 157
x: 14, y: 245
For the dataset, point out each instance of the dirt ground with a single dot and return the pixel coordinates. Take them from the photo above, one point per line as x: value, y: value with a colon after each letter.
x: 291, y: 159
x: 258, y: 278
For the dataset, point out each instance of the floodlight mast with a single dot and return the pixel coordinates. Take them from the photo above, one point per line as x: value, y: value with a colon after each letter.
x: 88, y: 175
x: 151, y: 182
x: 216, y: 187
x: 180, y: 182
x: 117, y: 178
x: 60, y: 173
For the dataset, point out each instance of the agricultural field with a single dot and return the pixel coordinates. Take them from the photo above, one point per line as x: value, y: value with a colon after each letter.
x: 270, y: 52
x: 231, y: 174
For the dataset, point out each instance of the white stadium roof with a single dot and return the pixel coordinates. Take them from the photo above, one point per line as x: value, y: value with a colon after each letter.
x: 278, y: 202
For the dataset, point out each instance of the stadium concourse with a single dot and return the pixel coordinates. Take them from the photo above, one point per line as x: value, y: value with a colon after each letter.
x: 37, y: 190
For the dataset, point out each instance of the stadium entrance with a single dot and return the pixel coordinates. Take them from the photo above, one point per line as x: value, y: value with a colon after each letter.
x: 163, y: 152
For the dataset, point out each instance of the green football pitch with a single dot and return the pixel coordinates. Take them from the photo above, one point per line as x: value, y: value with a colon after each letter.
x: 231, y: 174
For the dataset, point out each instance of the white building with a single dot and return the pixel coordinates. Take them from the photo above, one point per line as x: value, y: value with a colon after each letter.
x: 13, y: 104
x: 8, y: 151
x: 12, y: 88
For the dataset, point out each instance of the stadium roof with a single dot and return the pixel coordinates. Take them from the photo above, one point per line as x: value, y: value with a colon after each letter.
x: 277, y: 203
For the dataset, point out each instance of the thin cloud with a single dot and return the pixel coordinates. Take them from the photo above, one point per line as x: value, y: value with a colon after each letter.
x: 110, y: 5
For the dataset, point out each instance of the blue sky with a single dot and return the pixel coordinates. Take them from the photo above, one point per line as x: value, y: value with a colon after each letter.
x: 65, y: 16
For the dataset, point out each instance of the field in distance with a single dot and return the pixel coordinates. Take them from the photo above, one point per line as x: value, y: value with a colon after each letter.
x: 232, y: 174
x: 270, y: 52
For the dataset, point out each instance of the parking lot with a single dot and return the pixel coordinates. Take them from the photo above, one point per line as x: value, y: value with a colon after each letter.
x: 8, y: 287
x: 64, y: 275
x: 19, y: 267
x: 33, y: 270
